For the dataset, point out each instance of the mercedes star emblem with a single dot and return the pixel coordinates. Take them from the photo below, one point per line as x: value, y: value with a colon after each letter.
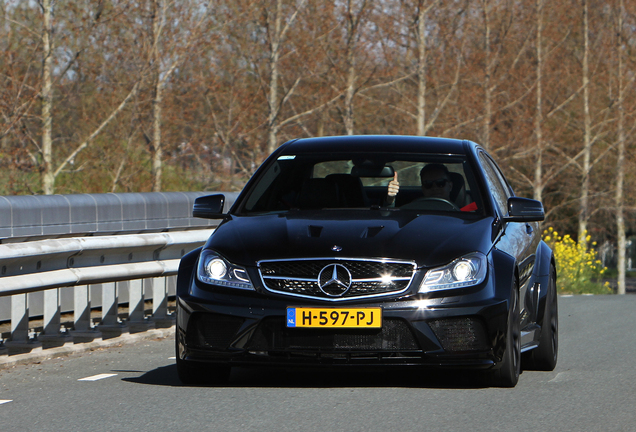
x: 334, y: 280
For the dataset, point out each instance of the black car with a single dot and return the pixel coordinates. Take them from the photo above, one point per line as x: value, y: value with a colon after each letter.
x: 316, y: 264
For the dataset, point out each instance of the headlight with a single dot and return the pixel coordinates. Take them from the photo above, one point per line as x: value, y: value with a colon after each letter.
x: 466, y: 271
x: 216, y: 270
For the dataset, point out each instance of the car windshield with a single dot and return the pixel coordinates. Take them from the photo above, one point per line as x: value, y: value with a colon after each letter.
x: 354, y: 181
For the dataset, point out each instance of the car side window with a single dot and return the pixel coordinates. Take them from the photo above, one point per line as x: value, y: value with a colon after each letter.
x: 499, y: 190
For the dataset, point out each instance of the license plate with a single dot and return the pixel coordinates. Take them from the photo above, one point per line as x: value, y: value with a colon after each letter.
x: 334, y: 317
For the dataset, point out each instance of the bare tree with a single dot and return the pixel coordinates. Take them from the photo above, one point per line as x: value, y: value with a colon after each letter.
x: 276, y: 35
x: 620, y: 161
x: 48, y: 172
x: 353, y: 20
x: 159, y: 11
x: 587, y: 133
x: 538, y: 117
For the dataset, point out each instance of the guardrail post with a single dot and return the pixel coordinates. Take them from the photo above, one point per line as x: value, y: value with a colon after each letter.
x: 20, y: 342
x: 171, y: 285
x: 110, y: 326
x: 160, y: 303
x: 137, y: 321
x: 82, y: 316
x: 51, y: 335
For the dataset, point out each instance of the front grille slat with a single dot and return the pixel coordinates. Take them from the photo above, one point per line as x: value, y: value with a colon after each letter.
x: 368, y: 277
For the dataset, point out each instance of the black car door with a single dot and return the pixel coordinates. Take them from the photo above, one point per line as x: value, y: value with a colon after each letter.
x: 519, y: 239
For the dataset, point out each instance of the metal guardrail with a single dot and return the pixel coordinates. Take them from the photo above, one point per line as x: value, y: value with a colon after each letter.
x: 45, y: 264
x: 129, y: 252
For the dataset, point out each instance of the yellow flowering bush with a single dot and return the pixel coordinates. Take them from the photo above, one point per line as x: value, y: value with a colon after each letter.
x: 578, y: 269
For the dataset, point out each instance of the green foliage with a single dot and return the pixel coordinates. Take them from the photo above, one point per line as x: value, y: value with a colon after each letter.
x: 578, y: 269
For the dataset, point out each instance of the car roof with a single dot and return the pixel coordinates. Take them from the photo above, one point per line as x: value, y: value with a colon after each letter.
x: 377, y: 143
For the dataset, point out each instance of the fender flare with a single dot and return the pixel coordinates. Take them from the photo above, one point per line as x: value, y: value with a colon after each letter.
x: 186, y: 268
x: 504, y: 276
x: 507, y: 271
x: 544, y: 262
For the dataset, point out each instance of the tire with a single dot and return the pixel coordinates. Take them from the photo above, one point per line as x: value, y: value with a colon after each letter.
x: 544, y: 357
x: 508, y: 374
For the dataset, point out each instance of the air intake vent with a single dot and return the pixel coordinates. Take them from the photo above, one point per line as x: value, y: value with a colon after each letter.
x: 213, y: 331
x: 460, y: 334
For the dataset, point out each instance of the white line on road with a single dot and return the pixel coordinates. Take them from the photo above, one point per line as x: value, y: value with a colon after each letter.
x: 561, y: 376
x: 97, y: 377
x: 4, y: 401
x: 172, y: 358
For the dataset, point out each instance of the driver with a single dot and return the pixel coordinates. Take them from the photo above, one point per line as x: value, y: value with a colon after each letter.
x: 436, y: 183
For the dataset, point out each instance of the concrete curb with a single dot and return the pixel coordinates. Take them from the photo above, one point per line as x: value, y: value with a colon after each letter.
x: 7, y: 361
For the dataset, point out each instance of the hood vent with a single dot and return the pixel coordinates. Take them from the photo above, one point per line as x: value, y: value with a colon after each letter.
x: 371, y: 231
x: 314, y: 230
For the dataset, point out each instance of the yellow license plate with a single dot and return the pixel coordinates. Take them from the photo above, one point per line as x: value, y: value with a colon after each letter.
x: 334, y: 317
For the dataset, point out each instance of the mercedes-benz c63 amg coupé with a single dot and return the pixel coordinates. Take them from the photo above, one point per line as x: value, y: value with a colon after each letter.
x: 370, y: 251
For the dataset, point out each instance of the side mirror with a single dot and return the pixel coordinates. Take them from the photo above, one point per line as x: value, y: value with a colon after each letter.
x: 524, y: 210
x: 209, y: 207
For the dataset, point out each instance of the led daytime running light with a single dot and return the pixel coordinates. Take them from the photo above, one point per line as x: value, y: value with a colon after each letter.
x: 466, y: 271
x: 216, y: 270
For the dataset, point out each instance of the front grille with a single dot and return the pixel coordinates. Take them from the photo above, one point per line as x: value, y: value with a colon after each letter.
x: 214, y: 331
x: 272, y: 335
x: 460, y: 334
x: 367, y: 277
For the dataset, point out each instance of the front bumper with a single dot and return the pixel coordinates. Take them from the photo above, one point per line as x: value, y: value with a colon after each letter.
x: 244, y: 328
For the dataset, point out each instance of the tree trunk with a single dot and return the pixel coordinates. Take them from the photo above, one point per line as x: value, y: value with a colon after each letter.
x: 48, y: 178
x: 538, y: 118
x: 421, y: 69
x: 351, y: 71
x: 157, y: 157
x: 587, y: 135
x: 487, y: 88
x: 272, y: 96
x: 620, y: 162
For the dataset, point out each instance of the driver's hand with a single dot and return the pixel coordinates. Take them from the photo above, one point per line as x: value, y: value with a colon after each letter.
x: 394, y: 188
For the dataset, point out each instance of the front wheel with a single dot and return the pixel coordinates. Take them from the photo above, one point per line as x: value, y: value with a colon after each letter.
x: 508, y: 374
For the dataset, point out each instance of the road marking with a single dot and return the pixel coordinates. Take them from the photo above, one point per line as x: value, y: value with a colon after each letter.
x: 97, y: 377
x: 4, y: 401
x: 561, y: 376
x: 172, y: 358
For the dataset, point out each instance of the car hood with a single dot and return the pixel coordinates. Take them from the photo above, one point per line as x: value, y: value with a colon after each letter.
x: 429, y: 240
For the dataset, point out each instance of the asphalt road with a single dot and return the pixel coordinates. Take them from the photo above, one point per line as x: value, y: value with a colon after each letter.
x: 592, y: 389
